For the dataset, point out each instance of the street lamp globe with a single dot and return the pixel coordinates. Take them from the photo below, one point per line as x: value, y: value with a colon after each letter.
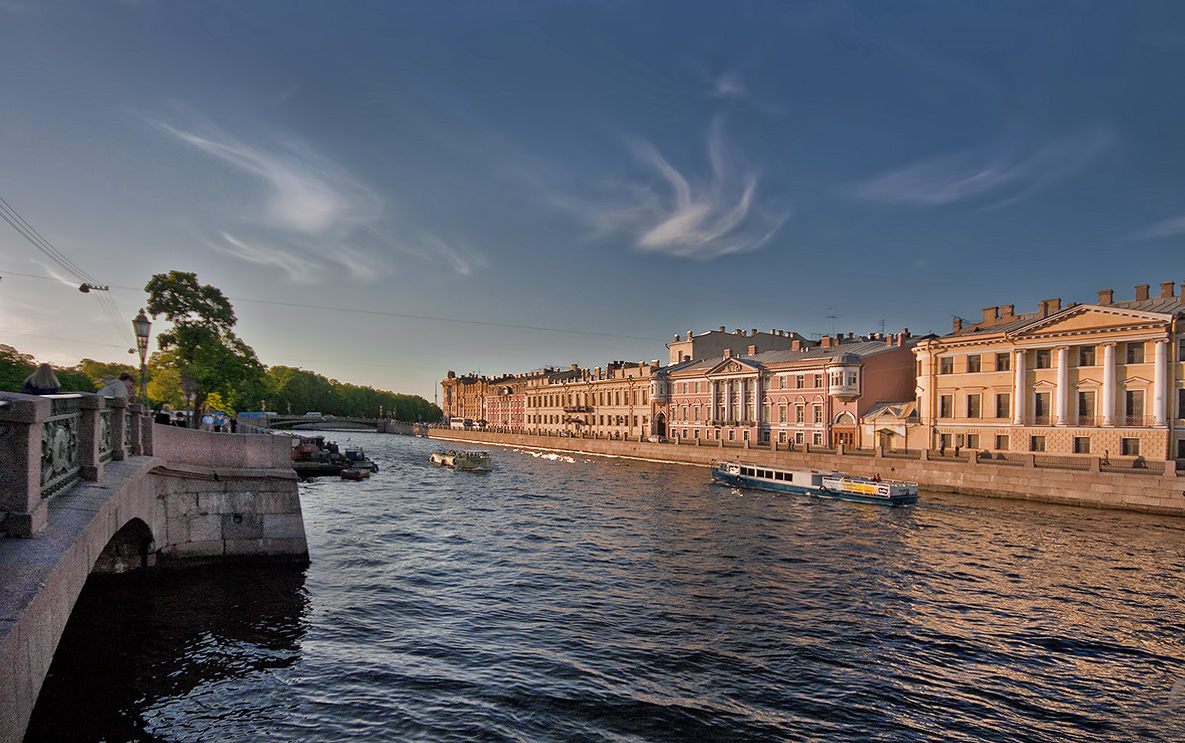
x: 142, y: 326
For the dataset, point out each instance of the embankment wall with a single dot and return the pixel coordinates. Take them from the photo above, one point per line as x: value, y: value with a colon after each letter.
x: 1137, y: 490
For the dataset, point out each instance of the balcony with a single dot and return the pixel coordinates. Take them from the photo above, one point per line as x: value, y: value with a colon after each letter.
x: 1135, y: 421
x: 578, y: 408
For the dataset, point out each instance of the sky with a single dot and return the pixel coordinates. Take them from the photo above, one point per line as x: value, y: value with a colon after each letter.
x: 388, y: 191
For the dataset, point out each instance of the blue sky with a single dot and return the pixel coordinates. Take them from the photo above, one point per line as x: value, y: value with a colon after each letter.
x: 388, y: 191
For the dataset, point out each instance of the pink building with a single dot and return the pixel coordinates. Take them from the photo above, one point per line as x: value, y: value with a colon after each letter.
x: 814, y: 393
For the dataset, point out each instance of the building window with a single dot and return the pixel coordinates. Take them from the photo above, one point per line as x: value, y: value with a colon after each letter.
x: 1003, y: 404
x: 1003, y: 362
x: 1181, y: 404
x: 818, y: 380
x: 765, y: 413
x: 817, y: 440
x: 1082, y: 445
x: 1044, y: 359
x: 696, y: 411
x: 1002, y: 442
x: 972, y: 406
x: 818, y: 414
x: 800, y: 414
x: 1086, y: 409
x: 1133, y: 406
x: 1036, y: 443
x: 1135, y: 353
x: 799, y: 438
x: 1041, y: 409
x: 782, y: 382
x: 1086, y: 356
x: 946, y: 406
x: 732, y: 434
x: 1129, y: 447
x: 800, y: 381
x: 973, y: 363
x: 781, y: 414
x: 946, y: 364
x: 1181, y: 350
x: 972, y: 441
x: 943, y: 441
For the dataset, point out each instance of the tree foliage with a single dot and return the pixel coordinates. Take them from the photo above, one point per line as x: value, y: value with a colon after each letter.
x: 15, y: 367
x: 201, y: 344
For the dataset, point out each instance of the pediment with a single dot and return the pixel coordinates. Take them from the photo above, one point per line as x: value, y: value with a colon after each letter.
x: 1086, y: 319
x: 730, y: 366
x: 1088, y: 384
x: 1044, y: 384
x: 1136, y: 381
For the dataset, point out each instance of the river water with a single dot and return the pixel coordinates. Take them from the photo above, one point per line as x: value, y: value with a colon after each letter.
x: 593, y: 599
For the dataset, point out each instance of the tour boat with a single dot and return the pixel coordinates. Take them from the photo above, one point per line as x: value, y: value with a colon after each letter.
x: 471, y: 461
x: 355, y: 473
x: 825, y: 483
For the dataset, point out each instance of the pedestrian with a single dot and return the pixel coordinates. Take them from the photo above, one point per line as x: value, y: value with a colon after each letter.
x: 41, y: 382
x: 207, y: 422
x: 124, y: 387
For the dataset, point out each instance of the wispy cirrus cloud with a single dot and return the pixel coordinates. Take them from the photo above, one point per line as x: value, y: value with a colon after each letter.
x: 1167, y: 228
x: 698, y: 217
x: 1004, y: 170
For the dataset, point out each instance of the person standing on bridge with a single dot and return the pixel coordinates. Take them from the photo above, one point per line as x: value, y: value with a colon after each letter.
x: 41, y: 382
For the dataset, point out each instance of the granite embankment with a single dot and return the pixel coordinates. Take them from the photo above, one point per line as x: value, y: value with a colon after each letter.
x: 1130, y: 484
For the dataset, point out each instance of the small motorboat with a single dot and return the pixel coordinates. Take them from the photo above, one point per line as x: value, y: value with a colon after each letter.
x: 355, y: 473
x: 469, y: 461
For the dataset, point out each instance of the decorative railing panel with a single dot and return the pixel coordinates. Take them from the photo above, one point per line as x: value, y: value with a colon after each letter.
x: 105, y: 442
x: 60, y: 463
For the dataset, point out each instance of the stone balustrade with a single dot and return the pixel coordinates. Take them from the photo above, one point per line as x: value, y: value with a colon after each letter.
x: 49, y: 443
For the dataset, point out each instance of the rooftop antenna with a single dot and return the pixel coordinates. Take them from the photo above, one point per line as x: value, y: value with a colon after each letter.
x: 832, y: 315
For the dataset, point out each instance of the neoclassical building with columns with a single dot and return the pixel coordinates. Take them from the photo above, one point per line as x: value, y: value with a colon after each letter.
x: 1103, y: 379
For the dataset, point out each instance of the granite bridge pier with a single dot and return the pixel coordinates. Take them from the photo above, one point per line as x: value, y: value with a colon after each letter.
x: 89, y: 484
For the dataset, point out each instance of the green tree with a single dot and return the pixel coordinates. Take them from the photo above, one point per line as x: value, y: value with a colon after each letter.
x: 201, y: 344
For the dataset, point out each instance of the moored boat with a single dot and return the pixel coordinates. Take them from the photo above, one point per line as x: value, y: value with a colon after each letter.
x: 826, y: 483
x: 355, y: 473
x: 470, y: 461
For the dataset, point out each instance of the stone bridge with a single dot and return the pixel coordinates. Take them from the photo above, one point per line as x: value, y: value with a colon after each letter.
x: 89, y: 485
x: 285, y: 422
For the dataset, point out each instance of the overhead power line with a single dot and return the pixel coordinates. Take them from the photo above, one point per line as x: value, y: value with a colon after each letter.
x: 384, y: 313
x: 87, y: 282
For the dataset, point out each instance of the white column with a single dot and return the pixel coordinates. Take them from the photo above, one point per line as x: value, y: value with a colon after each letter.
x: 1018, y: 387
x: 1160, y: 383
x: 1108, y: 401
x: 1062, y: 393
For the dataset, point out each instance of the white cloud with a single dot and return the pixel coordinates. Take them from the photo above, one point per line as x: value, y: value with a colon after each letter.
x: 299, y: 270
x: 728, y: 85
x: 1167, y: 228
x: 700, y: 218
x: 1006, y: 170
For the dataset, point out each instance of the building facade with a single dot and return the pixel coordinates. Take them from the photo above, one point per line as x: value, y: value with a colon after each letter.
x: 813, y: 393
x: 712, y: 344
x: 1105, y: 379
x: 617, y: 401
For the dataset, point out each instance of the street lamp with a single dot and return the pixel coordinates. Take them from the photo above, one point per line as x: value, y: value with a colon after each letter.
x: 142, y: 326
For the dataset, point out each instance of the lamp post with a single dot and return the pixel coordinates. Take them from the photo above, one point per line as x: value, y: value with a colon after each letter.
x: 142, y: 326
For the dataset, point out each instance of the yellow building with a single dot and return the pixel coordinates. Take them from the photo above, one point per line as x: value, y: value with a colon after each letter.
x: 1105, y: 379
x: 616, y: 401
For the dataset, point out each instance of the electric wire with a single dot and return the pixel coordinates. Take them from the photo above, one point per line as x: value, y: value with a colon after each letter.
x: 404, y: 315
x: 35, y: 238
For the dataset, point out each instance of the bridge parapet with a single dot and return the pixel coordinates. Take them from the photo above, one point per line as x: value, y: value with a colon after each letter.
x: 49, y: 443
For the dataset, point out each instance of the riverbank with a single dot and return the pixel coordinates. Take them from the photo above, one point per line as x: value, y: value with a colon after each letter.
x: 1130, y: 484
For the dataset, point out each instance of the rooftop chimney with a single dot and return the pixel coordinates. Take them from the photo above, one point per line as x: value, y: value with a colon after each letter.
x: 1141, y: 292
x: 689, y: 335
x: 1106, y: 296
x: 1005, y: 311
x: 752, y: 350
x: 825, y: 341
x: 738, y: 331
x: 721, y: 328
x: 990, y: 314
x: 728, y: 353
x: 795, y: 345
x: 959, y: 323
x: 1166, y: 288
x: 753, y: 333
x: 575, y: 367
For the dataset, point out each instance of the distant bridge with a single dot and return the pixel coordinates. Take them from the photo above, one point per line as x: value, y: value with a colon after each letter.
x: 281, y: 422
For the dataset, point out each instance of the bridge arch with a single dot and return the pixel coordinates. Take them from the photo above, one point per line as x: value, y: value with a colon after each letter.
x: 130, y: 548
